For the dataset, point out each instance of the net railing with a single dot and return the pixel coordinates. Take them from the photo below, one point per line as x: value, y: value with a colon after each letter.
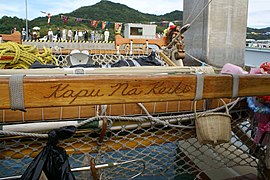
x: 100, y: 59
x: 135, y: 145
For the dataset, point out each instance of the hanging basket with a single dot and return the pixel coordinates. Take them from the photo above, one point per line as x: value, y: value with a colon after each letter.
x: 213, y: 128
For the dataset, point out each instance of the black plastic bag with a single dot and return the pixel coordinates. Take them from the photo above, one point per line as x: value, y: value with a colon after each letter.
x: 38, y: 65
x: 52, y: 160
x: 149, y: 60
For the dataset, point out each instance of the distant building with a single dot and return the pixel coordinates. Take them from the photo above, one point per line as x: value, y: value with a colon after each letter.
x: 140, y: 31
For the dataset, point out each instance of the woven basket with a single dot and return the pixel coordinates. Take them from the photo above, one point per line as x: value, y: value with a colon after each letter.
x: 213, y: 128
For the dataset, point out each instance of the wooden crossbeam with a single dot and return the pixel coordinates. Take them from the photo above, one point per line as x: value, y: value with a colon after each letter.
x: 15, y: 37
x: 50, y: 91
x: 119, y: 40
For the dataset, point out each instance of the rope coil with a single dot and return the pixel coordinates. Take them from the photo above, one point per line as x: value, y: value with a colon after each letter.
x: 18, y: 56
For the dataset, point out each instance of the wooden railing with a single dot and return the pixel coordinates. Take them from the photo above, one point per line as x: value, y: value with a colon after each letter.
x: 15, y: 37
x: 119, y: 40
x: 52, y: 91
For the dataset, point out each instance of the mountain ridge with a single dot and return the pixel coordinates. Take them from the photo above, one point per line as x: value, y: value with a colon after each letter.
x: 106, y: 11
x: 101, y: 11
x: 110, y: 11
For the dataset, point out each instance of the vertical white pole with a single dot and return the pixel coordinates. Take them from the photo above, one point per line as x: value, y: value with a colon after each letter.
x: 147, y: 47
x: 117, y: 49
x: 26, y: 20
x: 131, y: 42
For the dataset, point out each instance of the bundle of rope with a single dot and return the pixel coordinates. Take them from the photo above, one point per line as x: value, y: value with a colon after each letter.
x: 18, y: 56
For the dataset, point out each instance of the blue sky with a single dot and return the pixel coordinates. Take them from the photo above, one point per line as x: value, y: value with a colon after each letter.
x: 258, y: 15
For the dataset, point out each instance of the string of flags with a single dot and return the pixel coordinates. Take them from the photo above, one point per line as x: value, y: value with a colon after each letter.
x: 95, y: 23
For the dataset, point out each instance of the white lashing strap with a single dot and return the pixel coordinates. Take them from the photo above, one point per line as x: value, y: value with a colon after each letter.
x: 135, y: 62
x: 235, y: 86
x: 199, y: 87
x: 16, y: 92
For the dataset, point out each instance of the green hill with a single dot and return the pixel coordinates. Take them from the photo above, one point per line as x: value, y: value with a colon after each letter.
x: 110, y: 12
x: 263, y: 33
x: 102, y: 11
x: 8, y: 23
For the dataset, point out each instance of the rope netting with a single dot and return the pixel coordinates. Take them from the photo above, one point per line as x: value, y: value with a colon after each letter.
x: 104, y: 60
x: 123, y: 147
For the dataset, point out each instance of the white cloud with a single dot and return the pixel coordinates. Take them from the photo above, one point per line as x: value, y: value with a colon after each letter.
x: 11, y: 10
x: 58, y: 7
x: 259, y: 13
x: 259, y: 19
x: 158, y: 7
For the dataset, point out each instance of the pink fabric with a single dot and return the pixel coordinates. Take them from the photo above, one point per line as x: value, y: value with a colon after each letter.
x: 263, y: 127
x: 255, y: 71
x: 264, y: 141
x: 263, y: 131
x: 229, y: 68
x: 262, y: 118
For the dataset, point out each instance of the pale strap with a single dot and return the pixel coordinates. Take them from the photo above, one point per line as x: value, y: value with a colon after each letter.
x: 199, y: 87
x: 135, y: 62
x: 16, y: 92
x: 235, y: 87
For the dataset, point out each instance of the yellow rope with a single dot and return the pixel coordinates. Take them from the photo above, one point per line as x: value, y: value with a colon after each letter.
x: 24, y: 56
